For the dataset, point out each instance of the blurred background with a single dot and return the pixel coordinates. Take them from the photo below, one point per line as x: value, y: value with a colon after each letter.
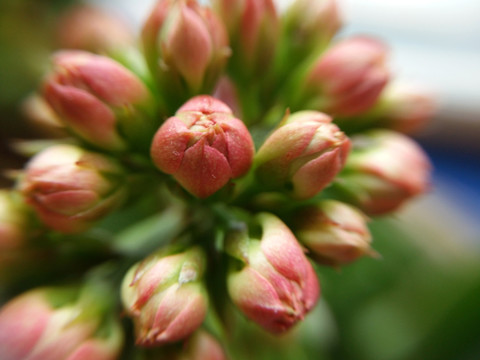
x: 422, y: 299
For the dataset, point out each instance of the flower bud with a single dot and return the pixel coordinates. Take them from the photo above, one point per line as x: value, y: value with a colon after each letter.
x: 185, y: 43
x: 199, y: 346
x: 48, y: 323
x: 203, y: 146
x: 348, y: 78
x: 335, y: 233
x: 226, y: 92
x: 384, y: 170
x: 309, y: 24
x: 406, y: 108
x: 276, y: 286
x: 253, y: 27
x: 89, y: 28
x: 165, y: 296
x: 70, y: 188
x: 98, y: 99
x: 303, y: 155
x: 202, y: 346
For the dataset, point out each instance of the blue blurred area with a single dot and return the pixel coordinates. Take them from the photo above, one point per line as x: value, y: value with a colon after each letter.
x: 460, y: 168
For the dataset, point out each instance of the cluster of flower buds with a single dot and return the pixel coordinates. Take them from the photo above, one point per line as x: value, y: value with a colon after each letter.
x: 248, y: 126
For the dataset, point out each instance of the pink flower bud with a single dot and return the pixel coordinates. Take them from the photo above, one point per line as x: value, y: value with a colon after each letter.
x: 254, y: 27
x: 203, y: 146
x: 89, y: 28
x: 199, y: 346
x: 97, y: 98
x: 335, y: 233
x: 71, y: 188
x: 185, y: 42
x: 33, y: 326
x: 303, y: 155
x: 202, y: 346
x: 406, y: 108
x: 226, y: 92
x: 165, y: 297
x: 384, y: 170
x: 348, y: 78
x: 277, y: 285
x: 312, y: 23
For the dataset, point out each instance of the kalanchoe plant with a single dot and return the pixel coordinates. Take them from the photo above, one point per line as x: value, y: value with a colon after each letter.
x: 190, y: 174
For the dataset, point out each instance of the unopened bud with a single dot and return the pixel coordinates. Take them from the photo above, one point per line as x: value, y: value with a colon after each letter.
x: 202, y: 346
x: 203, y: 146
x: 310, y: 24
x: 348, y: 78
x: 89, y: 28
x: 97, y: 98
x: 199, y: 346
x: 226, y: 92
x: 335, y: 233
x: 406, y: 108
x: 165, y: 296
x: 253, y: 27
x: 48, y: 323
x: 70, y: 188
x: 185, y: 43
x: 384, y: 170
x: 303, y: 155
x: 276, y: 286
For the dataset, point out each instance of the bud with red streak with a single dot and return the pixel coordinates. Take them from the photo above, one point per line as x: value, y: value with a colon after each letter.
x: 253, y: 27
x: 89, y: 28
x: 203, y: 146
x: 165, y: 296
x: 48, y: 323
x: 303, y: 155
x: 348, y: 78
x: 335, y: 233
x: 99, y: 100
x: 185, y: 43
x: 274, y: 284
x: 70, y: 188
x: 384, y: 170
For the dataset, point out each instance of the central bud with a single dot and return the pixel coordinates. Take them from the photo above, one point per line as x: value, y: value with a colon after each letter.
x: 203, y: 146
